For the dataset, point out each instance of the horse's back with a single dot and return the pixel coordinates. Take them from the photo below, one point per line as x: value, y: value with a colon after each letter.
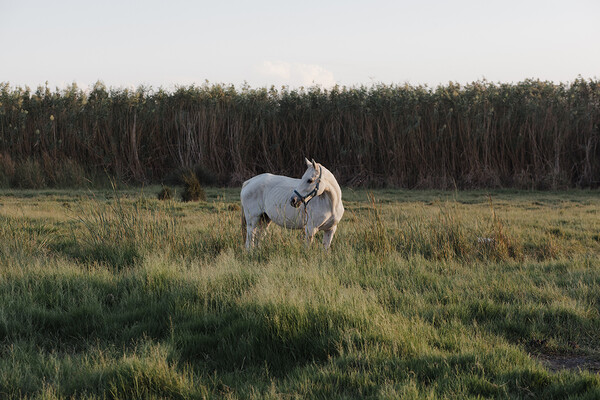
x: 270, y: 194
x: 259, y: 186
x: 267, y: 181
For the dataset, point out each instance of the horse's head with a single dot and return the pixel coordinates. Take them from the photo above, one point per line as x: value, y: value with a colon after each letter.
x: 310, y: 184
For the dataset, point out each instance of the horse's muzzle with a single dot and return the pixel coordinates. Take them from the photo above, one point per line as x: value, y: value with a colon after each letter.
x: 295, y: 201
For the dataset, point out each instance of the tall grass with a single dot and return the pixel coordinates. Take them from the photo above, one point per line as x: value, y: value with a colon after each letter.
x: 448, y: 234
x: 531, y: 134
x: 119, y: 296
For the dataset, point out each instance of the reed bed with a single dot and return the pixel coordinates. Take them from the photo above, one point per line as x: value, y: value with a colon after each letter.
x: 531, y: 134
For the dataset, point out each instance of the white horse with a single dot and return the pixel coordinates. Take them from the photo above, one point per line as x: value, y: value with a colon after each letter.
x: 277, y: 198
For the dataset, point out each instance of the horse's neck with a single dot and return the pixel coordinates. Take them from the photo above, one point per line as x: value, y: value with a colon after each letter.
x: 332, y: 189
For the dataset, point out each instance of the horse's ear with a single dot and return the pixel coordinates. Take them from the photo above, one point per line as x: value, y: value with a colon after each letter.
x: 308, y: 163
x: 314, y: 164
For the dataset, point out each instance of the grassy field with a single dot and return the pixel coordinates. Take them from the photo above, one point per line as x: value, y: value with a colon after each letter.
x: 425, y: 294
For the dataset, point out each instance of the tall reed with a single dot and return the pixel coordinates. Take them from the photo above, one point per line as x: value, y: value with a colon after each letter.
x: 531, y: 134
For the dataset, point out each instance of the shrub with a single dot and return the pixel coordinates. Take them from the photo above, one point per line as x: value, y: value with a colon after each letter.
x: 192, y: 191
x: 166, y: 193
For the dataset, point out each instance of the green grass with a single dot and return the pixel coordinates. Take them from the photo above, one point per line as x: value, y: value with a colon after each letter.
x: 424, y: 294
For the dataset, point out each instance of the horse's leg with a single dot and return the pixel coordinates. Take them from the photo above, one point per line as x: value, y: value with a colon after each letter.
x: 261, y: 231
x: 310, y: 233
x: 251, y: 228
x: 328, y: 236
x: 255, y: 229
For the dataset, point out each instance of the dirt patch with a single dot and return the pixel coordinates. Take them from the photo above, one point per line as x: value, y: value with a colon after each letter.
x: 569, y: 362
x: 575, y: 361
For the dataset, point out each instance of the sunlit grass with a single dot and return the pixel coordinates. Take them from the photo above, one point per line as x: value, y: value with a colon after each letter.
x: 120, y: 295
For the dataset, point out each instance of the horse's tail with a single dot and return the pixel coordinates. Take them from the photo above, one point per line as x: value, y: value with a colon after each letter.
x: 243, y: 226
x: 243, y: 217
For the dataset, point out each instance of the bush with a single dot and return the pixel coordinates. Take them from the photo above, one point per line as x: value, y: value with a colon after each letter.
x: 192, y: 191
x: 166, y: 193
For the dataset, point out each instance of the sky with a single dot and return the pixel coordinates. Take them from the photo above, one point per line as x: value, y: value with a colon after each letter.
x: 260, y: 43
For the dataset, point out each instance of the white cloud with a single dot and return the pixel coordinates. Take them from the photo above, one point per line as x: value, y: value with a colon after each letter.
x: 311, y: 74
x: 296, y: 74
x: 278, y: 70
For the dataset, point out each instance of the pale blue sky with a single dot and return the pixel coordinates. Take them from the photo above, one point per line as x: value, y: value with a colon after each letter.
x: 168, y: 43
